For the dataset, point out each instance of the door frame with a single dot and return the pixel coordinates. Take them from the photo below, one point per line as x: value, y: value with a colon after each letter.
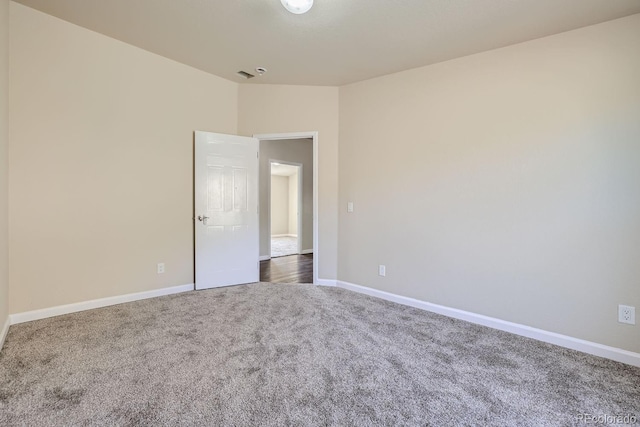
x: 300, y: 167
x: 313, y: 135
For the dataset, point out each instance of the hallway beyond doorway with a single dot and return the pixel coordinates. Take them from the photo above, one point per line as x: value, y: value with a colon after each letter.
x: 287, y: 269
x: 283, y: 246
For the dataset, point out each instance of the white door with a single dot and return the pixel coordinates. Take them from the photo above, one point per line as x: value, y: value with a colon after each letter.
x: 226, y: 210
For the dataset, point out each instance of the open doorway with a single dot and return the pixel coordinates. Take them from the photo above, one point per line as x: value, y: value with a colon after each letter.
x: 286, y: 206
x: 294, y: 229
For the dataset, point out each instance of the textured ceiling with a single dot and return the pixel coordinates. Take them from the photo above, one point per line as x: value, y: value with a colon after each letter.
x: 337, y: 42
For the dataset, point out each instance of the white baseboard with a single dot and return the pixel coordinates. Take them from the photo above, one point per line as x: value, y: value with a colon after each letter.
x: 284, y: 235
x: 4, y: 332
x: 613, y: 353
x: 28, y: 316
x: 327, y: 282
x: 306, y: 251
x: 265, y: 258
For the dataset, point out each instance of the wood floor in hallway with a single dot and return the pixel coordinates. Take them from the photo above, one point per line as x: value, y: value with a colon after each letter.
x: 287, y: 269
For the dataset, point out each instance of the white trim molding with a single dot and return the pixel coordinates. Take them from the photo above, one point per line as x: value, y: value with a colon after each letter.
x: 4, y: 332
x: 613, y: 353
x: 265, y: 258
x: 306, y: 251
x: 327, y: 282
x: 96, y: 303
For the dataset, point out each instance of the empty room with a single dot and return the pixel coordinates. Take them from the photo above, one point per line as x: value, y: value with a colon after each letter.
x: 458, y: 245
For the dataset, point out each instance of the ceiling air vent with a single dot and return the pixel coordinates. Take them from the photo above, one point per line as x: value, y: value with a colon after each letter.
x: 245, y: 75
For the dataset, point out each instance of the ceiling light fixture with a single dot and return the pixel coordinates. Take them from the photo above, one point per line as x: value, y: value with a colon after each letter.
x: 297, y: 6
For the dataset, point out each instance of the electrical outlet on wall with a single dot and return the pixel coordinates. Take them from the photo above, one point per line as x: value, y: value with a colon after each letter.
x: 627, y: 314
x: 160, y: 267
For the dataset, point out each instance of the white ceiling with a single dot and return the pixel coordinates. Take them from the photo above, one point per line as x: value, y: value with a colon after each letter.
x: 337, y: 42
x: 283, y: 170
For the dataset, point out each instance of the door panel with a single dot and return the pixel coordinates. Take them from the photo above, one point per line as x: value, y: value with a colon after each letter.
x: 226, y: 210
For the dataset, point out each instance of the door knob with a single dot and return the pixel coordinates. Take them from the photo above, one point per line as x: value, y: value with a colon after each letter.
x: 202, y: 218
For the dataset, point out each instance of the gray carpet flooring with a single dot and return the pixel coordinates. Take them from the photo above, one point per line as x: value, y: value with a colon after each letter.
x: 276, y: 355
x: 283, y: 246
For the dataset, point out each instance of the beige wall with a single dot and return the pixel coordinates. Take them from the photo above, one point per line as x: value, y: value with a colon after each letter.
x: 101, y: 162
x: 514, y: 189
x: 279, y: 204
x: 505, y: 183
x: 293, y: 205
x: 4, y: 126
x: 294, y: 151
x: 277, y: 109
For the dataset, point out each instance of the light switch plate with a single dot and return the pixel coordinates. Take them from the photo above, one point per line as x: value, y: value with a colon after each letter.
x: 382, y: 270
x: 350, y: 207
